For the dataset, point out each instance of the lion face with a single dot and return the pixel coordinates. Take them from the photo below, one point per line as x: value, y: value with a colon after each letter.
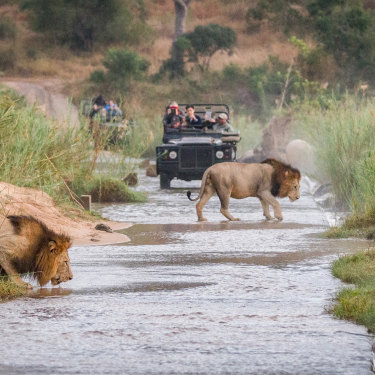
x: 63, y: 272
x: 290, y: 188
x: 53, y: 261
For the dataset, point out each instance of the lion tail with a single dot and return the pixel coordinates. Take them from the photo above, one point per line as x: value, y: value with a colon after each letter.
x: 203, y: 184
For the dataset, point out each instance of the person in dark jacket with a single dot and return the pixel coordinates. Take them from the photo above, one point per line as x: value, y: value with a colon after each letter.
x: 191, y: 119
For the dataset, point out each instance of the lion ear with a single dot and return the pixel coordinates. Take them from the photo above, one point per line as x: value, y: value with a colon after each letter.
x: 286, y: 174
x: 52, y: 246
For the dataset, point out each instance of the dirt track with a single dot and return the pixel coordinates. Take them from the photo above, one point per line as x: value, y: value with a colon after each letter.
x: 46, y: 94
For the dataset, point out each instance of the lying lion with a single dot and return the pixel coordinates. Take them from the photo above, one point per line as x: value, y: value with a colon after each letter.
x: 28, y: 246
x: 265, y: 181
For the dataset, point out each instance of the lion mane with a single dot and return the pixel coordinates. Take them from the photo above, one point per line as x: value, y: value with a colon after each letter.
x: 265, y: 180
x: 280, y: 175
x: 28, y: 246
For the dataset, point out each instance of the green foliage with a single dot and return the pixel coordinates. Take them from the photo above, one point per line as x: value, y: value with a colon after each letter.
x: 281, y: 14
x: 97, y: 76
x: 202, y: 43
x: 113, y: 190
x: 343, y: 132
x: 37, y: 153
x: 8, y: 289
x: 7, y: 58
x: 346, y: 31
x: 313, y: 63
x: 122, y: 66
x: 356, y: 304
x: 8, y: 28
x: 83, y: 23
x: 263, y: 87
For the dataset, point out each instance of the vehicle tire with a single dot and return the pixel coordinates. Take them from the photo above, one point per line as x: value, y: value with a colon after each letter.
x: 165, y: 182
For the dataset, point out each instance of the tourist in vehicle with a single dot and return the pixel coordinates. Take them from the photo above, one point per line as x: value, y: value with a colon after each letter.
x: 94, y: 111
x: 221, y: 124
x: 191, y: 119
x: 174, y: 115
x: 112, y: 110
x: 99, y: 101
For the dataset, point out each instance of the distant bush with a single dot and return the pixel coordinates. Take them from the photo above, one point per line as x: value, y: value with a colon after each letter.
x: 97, y: 76
x: 8, y: 28
x: 346, y: 31
x: 280, y: 14
x: 85, y: 23
x: 7, y: 58
x: 122, y: 66
x: 112, y: 190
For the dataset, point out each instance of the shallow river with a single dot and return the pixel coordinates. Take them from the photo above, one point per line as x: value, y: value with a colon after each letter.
x: 183, y: 297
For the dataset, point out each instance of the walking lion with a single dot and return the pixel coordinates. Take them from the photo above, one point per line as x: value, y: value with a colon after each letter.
x: 266, y: 181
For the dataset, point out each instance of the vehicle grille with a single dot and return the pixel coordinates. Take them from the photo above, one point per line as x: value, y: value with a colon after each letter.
x: 197, y: 157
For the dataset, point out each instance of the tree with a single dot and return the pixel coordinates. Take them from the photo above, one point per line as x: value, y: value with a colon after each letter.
x: 123, y: 66
x: 81, y: 23
x: 181, y: 8
x: 175, y: 65
x: 346, y: 30
x: 205, y: 41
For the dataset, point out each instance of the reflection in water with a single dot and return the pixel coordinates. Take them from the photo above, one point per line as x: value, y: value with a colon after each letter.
x: 192, y: 298
x: 49, y: 292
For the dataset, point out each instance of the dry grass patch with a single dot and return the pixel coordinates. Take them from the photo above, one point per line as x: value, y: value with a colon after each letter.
x: 9, y: 289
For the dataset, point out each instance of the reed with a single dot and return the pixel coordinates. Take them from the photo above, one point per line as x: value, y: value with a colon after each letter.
x: 39, y: 153
x: 343, y: 135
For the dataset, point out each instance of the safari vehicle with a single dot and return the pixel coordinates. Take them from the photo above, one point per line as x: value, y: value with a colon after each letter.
x: 112, y: 129
x: 187, y: 152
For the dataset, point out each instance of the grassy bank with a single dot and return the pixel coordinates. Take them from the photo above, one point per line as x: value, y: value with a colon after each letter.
x: 39, y: 153
x: 8, y: 289
x: 358, y: 303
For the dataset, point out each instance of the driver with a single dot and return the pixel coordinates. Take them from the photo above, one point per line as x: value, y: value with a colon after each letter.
x: 221, y: 124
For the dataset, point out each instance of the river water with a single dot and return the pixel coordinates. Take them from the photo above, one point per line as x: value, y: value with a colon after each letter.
x: 248, y: 297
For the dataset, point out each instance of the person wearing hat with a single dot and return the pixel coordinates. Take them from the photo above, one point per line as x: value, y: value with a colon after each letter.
x: 222, y: 125
x: 173, y: 117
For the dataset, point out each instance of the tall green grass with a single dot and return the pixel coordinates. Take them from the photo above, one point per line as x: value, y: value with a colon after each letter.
x: 38, y: 153
x: 343, y: 134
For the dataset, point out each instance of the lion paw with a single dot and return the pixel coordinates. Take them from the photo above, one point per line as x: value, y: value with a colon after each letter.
x: 202, y: 219
x: 268, y: 217
x: 236, y: 219
x: 279, y: 218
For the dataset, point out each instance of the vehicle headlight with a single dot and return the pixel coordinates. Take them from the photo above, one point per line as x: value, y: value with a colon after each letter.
x: 219, y: 154
x: 173, y: 155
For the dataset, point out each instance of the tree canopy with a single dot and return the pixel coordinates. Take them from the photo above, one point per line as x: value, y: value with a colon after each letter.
x: 82, y: 23
x: 202, y: 43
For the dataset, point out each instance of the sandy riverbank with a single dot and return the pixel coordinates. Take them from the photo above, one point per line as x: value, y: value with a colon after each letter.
x: 16, y: 200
